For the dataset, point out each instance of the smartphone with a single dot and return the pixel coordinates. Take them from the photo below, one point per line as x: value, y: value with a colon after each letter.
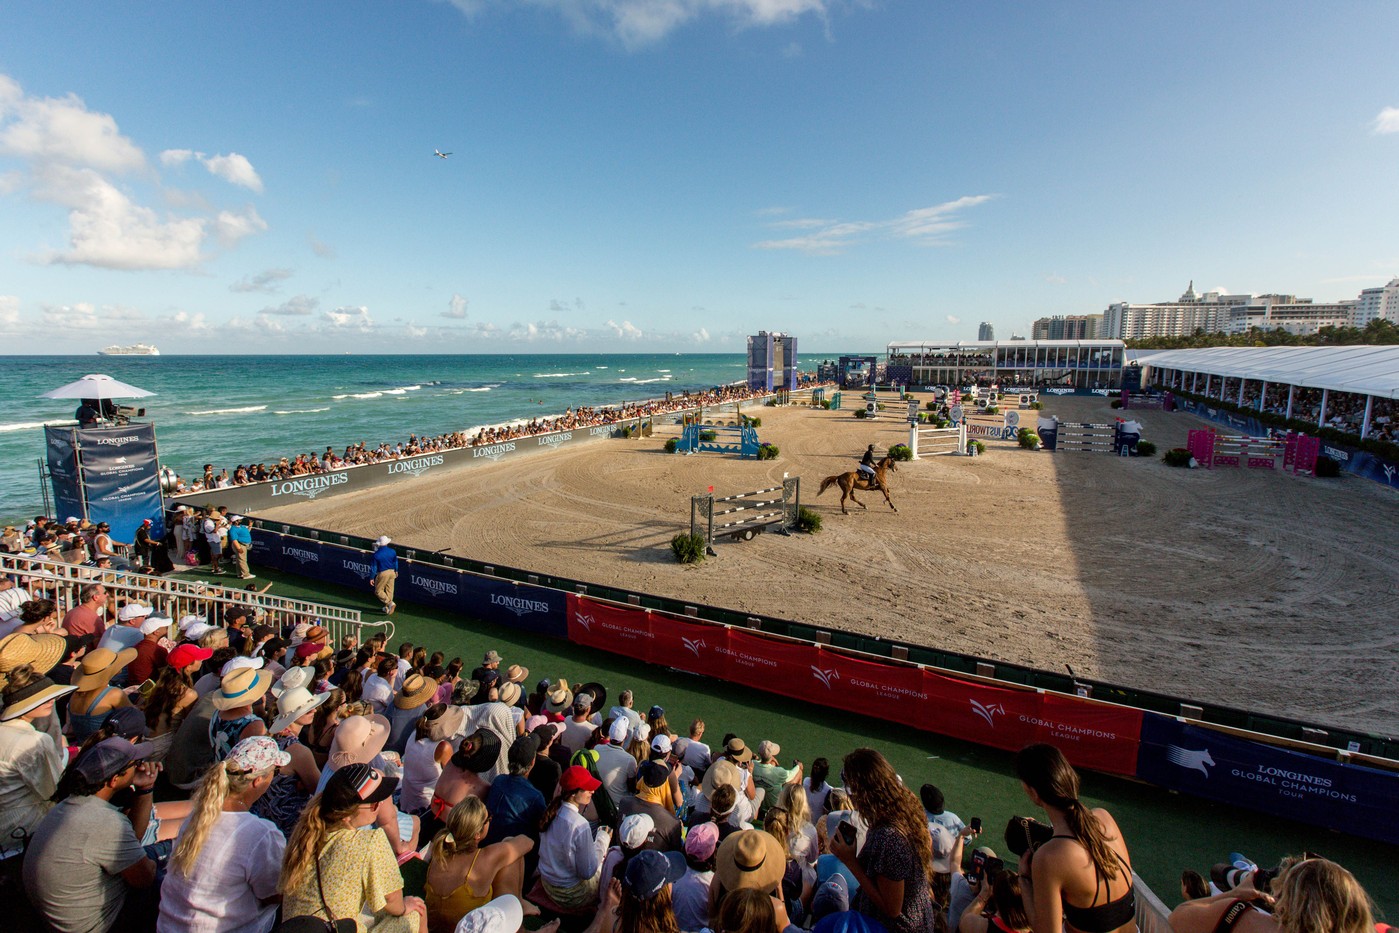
x: 847, y: 832
x: 975, y: 825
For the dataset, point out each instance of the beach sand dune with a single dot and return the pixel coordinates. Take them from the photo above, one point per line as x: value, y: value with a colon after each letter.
x: 1254, y: 589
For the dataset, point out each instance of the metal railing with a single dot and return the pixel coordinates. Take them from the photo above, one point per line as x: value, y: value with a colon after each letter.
x: 63, y: 582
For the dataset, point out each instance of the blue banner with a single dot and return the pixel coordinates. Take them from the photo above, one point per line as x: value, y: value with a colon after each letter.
x: 121, y: 478
x: 63, y: 473
x: 1216, y: 766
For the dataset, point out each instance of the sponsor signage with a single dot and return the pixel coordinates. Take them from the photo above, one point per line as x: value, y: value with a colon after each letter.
x: 1210, y: 764
x: 63, y: 472
x: 120, y: 475
x: 258, y: 496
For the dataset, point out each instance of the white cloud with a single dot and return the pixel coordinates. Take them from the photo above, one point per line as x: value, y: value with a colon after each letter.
x: 9, y: 314
x: 927, y: 226
x: 625, y: 330
x: 296, y: 306
x: 85, y: 316
x: 72, y: 156
x: 700, y: 336
x: 234, y: 169
x: 323, y: 250
x: 544, y: 331
x: 637, y: 23
x: 456, y: 308
x: 63, y: 131
x: 1388, y: 121
x: 953, y: 319
x: 348, y: 318
x: 415, y: 332
x: 265, y: 282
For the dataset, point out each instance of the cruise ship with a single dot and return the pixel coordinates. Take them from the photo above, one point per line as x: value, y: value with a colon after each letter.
x: 136, y: 349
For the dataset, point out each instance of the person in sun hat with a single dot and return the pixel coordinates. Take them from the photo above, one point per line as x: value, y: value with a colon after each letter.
x: 407, y: 708
x: 558, y: 698
x: 357, y: 740
x: 239, y: 691
x: 357, y: 872
x: 748, y: 859
x: 85, y: 868
x: 516, y: 674
x: 427, y: 751
x: 288, y: 793
x: 223, y: 873
x: 42, y: 652
x: 95, y: 696
x: 385, y: 561
x: 504, y: 914
x: 31, y: 761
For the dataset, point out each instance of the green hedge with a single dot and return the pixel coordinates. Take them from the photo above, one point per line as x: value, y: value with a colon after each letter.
x: 688, y: 549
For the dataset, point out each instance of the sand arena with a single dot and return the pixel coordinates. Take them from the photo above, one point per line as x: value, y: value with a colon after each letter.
x: 1255, y: 589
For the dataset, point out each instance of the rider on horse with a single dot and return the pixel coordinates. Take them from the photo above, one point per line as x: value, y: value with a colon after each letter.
x: 867, y: 464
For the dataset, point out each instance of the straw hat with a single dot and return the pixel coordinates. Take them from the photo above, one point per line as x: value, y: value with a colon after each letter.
x: 751, y: 858
x: 293, y: 704
x: 510, y: 693
x: 416, y: 691
x: 516, y: 674
x: 42, y: 652
x: 721, y: 772
x: 559, y: 698
x: 358, y: 739
x: 100, y: 665
x: 241, y: 687
x: 32, y: 697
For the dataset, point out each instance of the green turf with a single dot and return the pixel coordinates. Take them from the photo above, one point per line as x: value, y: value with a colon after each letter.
x: 1165, y: 831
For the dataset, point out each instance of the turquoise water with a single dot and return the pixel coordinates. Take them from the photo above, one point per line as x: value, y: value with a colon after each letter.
x: 228, y: 410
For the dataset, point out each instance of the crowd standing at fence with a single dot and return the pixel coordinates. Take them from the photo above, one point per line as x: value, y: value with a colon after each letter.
x: 220, y: 774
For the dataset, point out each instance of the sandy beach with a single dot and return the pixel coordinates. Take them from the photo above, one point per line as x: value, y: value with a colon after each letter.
x: 1255, y: 589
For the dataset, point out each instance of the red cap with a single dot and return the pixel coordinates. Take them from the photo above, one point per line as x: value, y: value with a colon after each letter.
x: 185, y: 655
x: 309, y: 649
x: 577, y: 777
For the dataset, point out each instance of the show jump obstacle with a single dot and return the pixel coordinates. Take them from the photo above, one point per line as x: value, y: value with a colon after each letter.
x: 1297, y: 453
x: 746, y: 514
x: 1119, y: 438
x: 741, y: 439
x: 1145, y: 402
x: 924, y: 442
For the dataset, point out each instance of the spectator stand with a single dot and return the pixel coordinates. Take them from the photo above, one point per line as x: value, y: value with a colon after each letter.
x: 62, y: 582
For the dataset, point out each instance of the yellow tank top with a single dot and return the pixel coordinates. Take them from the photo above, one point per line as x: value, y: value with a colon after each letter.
x: 444, y: 910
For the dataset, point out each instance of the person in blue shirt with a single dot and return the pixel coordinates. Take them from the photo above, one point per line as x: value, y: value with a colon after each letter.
x: 240, y: 539
x: 385, y: 573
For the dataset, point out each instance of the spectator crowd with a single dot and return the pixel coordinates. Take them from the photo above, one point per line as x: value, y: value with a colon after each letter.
x: 240, y: 774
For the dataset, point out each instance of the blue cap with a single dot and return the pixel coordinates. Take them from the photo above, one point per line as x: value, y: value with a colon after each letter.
x: 649, y: 871
x: 110, y: 757
x: 128, y: 722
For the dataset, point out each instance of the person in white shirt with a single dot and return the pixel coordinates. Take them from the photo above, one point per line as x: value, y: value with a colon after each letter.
x: 11, y: 598
x: 224, y: 869
x: 31, y: 761
x: 570, y: 857
x: 378, y: 686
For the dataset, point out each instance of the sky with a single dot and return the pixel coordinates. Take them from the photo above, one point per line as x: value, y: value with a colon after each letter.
x: 658, y: 175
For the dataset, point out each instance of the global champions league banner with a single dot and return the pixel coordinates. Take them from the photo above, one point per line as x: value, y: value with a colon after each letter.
x: 113, y: 471
x: 1094, y: 735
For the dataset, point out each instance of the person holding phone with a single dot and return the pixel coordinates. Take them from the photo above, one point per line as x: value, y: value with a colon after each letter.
x: 895, y: 865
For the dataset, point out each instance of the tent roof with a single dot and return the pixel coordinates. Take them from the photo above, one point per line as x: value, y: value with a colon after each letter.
x: 1364, y: 370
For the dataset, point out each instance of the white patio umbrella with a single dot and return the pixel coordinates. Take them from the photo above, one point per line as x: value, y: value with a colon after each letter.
x: 96, y: 385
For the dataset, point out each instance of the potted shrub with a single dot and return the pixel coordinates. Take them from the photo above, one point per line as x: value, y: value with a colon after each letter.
x: 808, y: 521
x: 1028, y: 439
x: 768, y: 451
x: 672, y: 444
x: 901, y: 452
x: 1146, y: 449
x: 687, y: 548
x: 1175, y: 457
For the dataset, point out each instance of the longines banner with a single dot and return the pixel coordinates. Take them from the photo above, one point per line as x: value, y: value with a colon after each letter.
x: 117, y: 471
x: 256, y: 497
x: 1210, y: 764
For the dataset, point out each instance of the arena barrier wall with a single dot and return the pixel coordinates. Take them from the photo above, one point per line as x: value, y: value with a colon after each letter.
x: 1166, y: 751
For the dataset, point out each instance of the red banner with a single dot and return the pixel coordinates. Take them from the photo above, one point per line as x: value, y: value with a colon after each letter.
x: 1093, y: 735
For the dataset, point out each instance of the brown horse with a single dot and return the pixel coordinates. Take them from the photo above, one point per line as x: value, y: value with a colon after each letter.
x: 855, y: 479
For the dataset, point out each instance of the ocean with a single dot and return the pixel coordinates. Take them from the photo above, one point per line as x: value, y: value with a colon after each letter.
x: 228, y: 410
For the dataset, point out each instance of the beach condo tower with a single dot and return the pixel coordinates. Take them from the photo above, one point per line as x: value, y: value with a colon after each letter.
x: 772, y: 361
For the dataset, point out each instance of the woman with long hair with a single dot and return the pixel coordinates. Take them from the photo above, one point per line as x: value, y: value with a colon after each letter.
x: 333, y: 871
x: 895, y: 866
x: 647, y: 904
x: 174, y: 691
x: 321, y: 732
x: 459, y: 867
x: 570, y: 857
x: 998, y: 907
x: 817, y: 790
x: 801, y: 841
x: 1081, y: 878
x: 223, y: 872
x: 291, y: 789
x: 1314, y: 895
x: 746, y: 911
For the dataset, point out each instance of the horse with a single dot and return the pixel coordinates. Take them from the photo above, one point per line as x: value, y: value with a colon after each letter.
x: 857, y: 479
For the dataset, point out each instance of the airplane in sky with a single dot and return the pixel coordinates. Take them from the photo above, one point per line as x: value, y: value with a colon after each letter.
x: 440, y: 154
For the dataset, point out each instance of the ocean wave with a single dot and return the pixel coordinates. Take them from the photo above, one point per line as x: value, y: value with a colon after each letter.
x: 28, y: 425
x: 557, y: 375
x: 599, y: 367
x: 642, y: 382
x: 401, y: 390
x: 300, y: 411
x: 662, y: 370
x: 228, y: 411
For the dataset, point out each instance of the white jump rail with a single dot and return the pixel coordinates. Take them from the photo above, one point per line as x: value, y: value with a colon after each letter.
x: 938, y: 438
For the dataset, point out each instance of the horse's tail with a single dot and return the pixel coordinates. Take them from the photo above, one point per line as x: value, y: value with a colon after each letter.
x: 827, y: 483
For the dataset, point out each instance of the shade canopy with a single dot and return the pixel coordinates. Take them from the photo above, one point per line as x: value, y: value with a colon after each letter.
x: 96, y: 385
x: 1363, y: 370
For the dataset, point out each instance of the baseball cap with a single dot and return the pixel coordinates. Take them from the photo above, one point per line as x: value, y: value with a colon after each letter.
x: 505, y: 914
x: 357, y: 783
x: 702, y: 840
x: 110, y: 757
x: 618, y: 731
x: 661, y: 743
x: 523, y: 750
x: 634, y: 829
x: 259, y: 753
x: 185, y: 655
x: 154, y: 623
x: 188, y: 620
x: 134, y: 611
x: 241, y: 662
x: 652, y: 774
x: 128, y: 722
x: 577, y: 777
x: 832, y: 897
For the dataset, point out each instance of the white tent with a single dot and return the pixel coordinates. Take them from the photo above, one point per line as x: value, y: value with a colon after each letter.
x: 1365, y: 370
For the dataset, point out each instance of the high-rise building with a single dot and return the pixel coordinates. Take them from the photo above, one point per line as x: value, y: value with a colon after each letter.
x: 986, y: 331
x: 772, y: 361
x: 1067, y: 327
x: 1377, y: 304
